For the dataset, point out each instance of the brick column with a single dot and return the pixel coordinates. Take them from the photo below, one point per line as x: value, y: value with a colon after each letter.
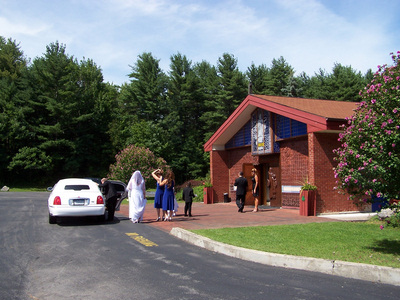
x: 219, y: 174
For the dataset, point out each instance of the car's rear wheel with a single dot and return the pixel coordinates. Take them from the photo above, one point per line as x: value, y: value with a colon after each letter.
x: 52, y: 219
x: 102, y: 218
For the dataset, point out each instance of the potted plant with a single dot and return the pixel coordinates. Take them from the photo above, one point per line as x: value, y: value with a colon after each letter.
x: 308, y: 199
x: 208, y: 190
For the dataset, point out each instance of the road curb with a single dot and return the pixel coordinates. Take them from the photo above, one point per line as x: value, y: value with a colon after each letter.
x: 366, y: 272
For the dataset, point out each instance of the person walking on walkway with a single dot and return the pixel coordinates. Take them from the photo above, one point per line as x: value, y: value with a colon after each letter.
x: 137, y: 197
x: 187, y: 196
x: 255, y: 188
x: 157, y: 175
x: 241, y: 189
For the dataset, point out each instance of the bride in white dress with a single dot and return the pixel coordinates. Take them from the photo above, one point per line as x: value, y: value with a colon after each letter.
x: 137, y: 197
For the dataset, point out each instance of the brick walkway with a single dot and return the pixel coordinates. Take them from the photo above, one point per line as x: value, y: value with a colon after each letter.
x: 219, y: 215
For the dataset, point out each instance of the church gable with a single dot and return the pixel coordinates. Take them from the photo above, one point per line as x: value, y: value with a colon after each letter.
x: 264, y: 131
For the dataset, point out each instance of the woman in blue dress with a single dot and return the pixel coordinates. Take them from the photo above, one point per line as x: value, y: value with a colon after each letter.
x: 158, y: 197
x: 168, y: 198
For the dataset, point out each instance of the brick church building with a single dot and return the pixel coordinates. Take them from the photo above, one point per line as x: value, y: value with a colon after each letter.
x: 288, y: 141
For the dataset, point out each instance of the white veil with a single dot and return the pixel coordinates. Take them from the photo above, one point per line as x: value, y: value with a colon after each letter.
x: 136, y: 181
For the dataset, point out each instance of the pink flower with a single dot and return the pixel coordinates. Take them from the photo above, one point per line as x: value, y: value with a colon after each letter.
x: 381, y: 227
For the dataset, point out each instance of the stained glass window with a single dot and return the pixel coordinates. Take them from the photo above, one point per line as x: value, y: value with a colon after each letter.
x: 286, y: 127
x: 241, y: 138
x: 260, y: 132
x: 264, y: 130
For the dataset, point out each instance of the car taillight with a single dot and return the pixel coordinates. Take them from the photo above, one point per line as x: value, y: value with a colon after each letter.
x: 100, y: 200
x: 57, y: 200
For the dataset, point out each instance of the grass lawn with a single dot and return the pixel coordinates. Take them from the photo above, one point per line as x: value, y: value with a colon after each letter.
x: 27, y: 189
x: 360, y: 242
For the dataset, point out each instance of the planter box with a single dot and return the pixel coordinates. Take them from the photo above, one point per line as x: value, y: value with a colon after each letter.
x: 208, y: 195
x: 308, y: 203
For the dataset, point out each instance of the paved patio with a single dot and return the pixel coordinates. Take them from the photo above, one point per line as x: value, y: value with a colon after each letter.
x: 219, y: 215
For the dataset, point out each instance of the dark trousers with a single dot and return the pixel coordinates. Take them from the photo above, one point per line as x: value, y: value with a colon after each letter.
x: 240, y: 201
x: 111, y: 203
x: 188, y: 208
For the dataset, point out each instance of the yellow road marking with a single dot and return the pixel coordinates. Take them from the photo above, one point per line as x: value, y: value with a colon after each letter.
x: 141, y: 239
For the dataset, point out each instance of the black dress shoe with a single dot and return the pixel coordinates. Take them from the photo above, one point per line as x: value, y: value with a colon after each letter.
x: 185, y: 215
x: 190, y: 216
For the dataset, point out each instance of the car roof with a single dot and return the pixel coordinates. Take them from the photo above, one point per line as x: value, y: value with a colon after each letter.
x: 75, y: 180
x: 72, y: 181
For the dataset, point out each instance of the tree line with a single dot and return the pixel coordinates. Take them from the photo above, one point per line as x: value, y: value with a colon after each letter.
x: 58, y: 118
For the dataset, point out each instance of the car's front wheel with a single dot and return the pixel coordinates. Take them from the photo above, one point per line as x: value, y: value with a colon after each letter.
x: 52, y: 219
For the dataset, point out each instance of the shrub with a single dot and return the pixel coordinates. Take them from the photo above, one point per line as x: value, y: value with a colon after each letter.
x: 135, y: 158
x: 369, y: 155
x: 390, y: 215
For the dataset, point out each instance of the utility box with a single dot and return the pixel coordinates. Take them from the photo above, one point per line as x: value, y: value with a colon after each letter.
x: 226, y: 198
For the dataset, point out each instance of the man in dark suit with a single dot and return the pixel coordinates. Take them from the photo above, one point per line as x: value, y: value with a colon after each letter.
x: 110, y: 193
x: 241, y: 190
x: 187, y: 196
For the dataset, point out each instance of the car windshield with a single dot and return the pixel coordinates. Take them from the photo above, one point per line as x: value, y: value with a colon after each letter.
x: 77, y: 187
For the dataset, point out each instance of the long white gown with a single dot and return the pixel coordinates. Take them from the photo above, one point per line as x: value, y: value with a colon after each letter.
x: 136, y: 193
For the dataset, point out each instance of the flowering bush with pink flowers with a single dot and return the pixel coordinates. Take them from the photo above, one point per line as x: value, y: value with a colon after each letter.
x: 369, y: 156
x: 390, y: 216
x: 134, y: 158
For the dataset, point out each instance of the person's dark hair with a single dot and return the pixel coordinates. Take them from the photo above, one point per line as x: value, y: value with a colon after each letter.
x: 241, y: 173
x: 170, y: 176
x: 189, y: 184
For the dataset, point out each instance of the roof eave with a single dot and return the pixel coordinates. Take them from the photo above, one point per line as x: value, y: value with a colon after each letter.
x: 314, y: 122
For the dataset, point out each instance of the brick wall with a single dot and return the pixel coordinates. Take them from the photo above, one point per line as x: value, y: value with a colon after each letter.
x: 225, y: 166
x: 237, y: 158
x: 219, y: 170
x: 300, y: 159
x: 328, y: 199
x: 294, y: 167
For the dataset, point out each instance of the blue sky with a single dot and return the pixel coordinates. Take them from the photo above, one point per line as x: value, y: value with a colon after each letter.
x: 309, y: 34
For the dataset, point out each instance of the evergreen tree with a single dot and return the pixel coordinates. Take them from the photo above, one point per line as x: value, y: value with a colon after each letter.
x: 293, y: 87
x: 14, y: 96
x: 66, y: 120
x: 147, y: 88
x: 279, y: 75
x: 96, y: 99
x: 183, y: 122
x: 233, y: 85
x: 209, y: 86
x: 258, y: 76
x: 231, y: 91
x: 142, y: 106
x: 343, y: 84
